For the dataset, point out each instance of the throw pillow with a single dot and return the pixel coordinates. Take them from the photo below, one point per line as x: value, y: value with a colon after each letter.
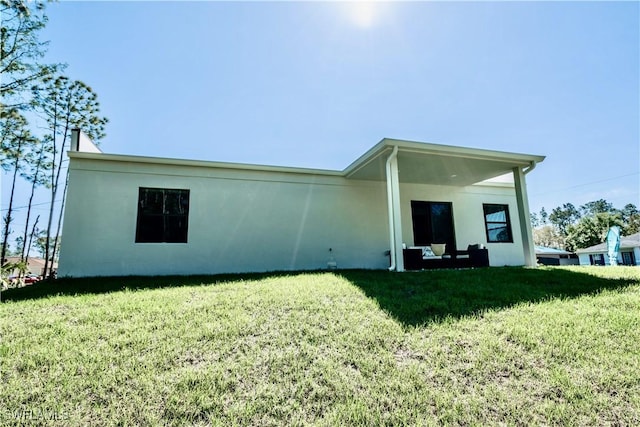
x: 438, y: 248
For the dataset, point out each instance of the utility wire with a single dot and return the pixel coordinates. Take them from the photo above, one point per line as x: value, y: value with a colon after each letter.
x: 34, y: 204
x: 587, y: 183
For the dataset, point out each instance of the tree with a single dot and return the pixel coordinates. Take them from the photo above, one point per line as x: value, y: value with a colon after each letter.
x: 12, y: 122
x: 575, y: 229
x: 563, y: 217
x: 544, y: 216
x: 17, y: 137
x: 36, y: 176
x: 19, y: 246
x: 591, y: 230
x: 28, y: 84
x: 539, y: 220
x: 21, y: 68
x: 65, y: 104
x: 630, y: 219
x: 548, y: 236
x: 27, y: 249
x: 40, y: 243
x: 21, y: 50
x: 535, y: 222
x: 596, y: 207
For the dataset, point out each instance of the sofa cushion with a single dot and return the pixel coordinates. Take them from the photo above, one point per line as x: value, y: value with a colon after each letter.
x: 427, y: 252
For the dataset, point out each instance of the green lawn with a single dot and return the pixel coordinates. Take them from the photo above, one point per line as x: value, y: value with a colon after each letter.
x: 499, y: 346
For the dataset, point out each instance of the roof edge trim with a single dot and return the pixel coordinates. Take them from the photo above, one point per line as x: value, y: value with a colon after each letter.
x: 467, y: 152
x: 200, y: 163
x: 439, y: 150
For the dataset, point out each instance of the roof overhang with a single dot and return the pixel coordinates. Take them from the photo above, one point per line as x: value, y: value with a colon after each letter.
x: 540, y: 250
x: 424, y: 163
x: 418, y: 162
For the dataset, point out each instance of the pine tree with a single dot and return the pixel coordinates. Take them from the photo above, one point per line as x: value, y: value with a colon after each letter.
x: 17, y: 138
x: 21, y: 51
x: 65, y: 104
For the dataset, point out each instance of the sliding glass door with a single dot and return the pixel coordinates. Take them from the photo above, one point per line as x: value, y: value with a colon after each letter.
x: 433, y: 223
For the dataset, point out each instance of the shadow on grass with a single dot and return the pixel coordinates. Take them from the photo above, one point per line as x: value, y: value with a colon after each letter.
x: 412, y: 298
x: 429, y: 296
x: 103, y: 285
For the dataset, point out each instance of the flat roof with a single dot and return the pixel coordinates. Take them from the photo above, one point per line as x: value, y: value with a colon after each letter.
x: 418, y: 162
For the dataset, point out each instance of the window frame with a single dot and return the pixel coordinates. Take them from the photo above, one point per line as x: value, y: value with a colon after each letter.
x: 166, y: 219
x: 628, y: 258
x: 506, y: 222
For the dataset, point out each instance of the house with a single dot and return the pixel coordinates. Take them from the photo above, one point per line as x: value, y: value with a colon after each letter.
x: 553, y: 256
x: 629, y: 253
x: 133, y: 215
x: 34, y: 265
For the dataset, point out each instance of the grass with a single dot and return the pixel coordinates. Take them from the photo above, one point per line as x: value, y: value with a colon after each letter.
x: 499, y: 346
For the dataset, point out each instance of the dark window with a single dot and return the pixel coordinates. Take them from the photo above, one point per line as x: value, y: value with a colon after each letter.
x: 433, y: 223
x: 497, y: 224
x: 596, y: 259
x: 628, y: 258
x: 163, y: 215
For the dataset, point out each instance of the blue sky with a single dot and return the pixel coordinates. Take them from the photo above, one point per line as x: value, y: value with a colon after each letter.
x: 317, y: 84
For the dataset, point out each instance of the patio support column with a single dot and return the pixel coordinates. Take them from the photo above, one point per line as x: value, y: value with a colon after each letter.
x: 524, y: 216
x: 395, y: 219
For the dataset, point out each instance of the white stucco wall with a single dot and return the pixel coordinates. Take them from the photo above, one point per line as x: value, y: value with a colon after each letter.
x: 243, y: 220
x: 238, y: 221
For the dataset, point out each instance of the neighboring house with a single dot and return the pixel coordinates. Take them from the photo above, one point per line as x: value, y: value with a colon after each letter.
x: 553, y: 256
x: 629, y: 253
x: 34, y: 265
x: 131, y: 215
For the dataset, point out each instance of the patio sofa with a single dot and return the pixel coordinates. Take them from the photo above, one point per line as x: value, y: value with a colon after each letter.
x: 475, y: 256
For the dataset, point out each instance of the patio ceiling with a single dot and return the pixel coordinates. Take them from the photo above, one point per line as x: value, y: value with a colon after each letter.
x: 423, y: 163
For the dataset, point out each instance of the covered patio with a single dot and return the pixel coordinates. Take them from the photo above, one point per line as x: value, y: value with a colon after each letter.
x: 407, y: 162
